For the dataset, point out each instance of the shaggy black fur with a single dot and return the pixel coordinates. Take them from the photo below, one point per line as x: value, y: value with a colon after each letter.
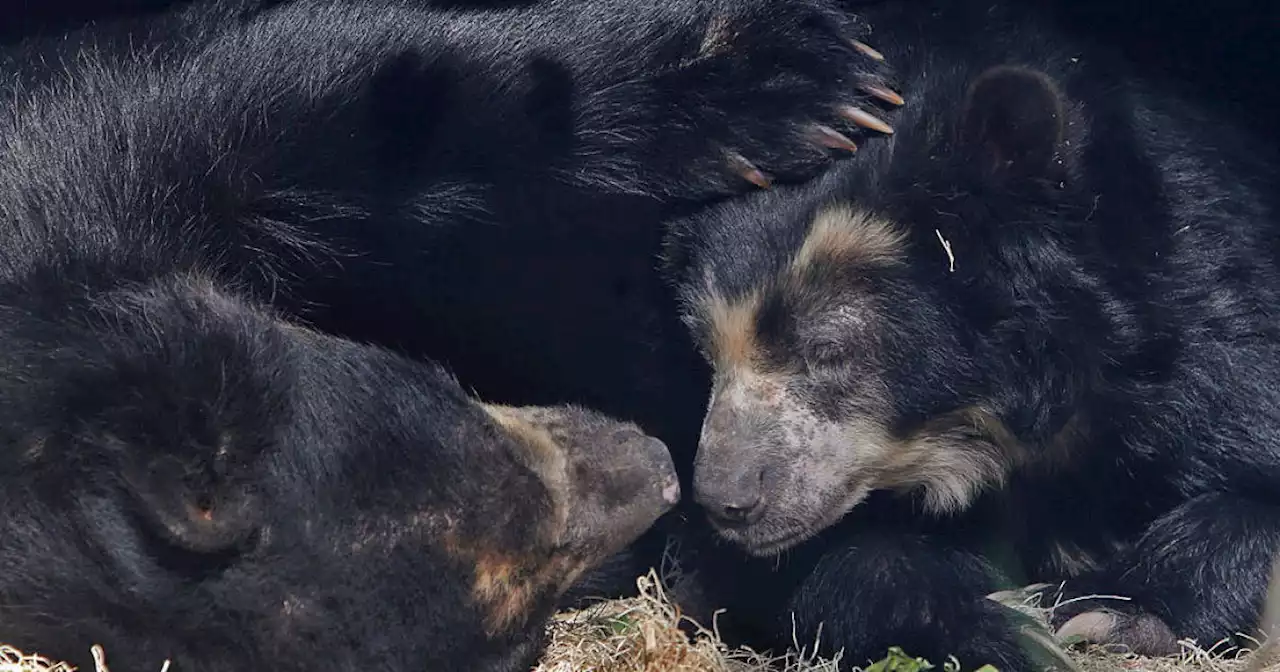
x: 199, y: 205
x: 507, y: 173
x: 189, y: 477
x: 1096, y: 377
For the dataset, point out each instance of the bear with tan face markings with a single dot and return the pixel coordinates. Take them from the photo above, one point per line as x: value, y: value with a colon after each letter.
x: 188, y: 477
x: 1043, y: 310
x: 236, y: 237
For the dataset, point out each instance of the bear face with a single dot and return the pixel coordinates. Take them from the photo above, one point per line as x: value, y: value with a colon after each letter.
x: 811, y: 398
x: 194, y: 479
x: 842, y: 338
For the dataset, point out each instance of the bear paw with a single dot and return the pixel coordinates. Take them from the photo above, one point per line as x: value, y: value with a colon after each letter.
x: 770, y: 90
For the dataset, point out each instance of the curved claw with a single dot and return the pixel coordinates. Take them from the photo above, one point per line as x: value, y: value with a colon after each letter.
x: 866, y: 50
x: 887, y: 95
x: 748, y: 171
x: 865, y: 119
x: 832, y: 139
x: 1142, y: 634
x: 1095, y: 627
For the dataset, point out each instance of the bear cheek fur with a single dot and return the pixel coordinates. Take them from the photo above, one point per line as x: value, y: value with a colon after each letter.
x: 515, y: 573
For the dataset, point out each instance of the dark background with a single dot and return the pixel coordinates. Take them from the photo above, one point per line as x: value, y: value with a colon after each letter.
x: 1224, y: 52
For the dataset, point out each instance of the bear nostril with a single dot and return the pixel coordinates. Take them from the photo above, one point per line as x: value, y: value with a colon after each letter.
x: 744, y: 512
x: 733, y: 499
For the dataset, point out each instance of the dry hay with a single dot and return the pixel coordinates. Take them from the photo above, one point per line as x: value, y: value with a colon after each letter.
x: 643, y: 634
x: 13, y: 660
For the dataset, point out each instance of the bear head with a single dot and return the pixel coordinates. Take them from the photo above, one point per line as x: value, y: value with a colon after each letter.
x: 852, y: 351
x: 190, y: 478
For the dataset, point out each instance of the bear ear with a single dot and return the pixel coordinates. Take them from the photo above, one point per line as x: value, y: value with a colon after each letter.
x: 1014, y: 120
x: 200, y: 506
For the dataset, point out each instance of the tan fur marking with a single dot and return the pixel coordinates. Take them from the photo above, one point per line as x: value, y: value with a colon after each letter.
x: 733, y: 330
x: 502, y: 587
x: 506, y: 585
x: 955, y: 456
x: 508, y: 589
x: 843, y: 234
x: 542, y: 455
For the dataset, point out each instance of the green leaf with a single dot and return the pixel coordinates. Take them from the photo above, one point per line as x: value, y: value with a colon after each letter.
x: 899, y: 661
x: 620, y: 625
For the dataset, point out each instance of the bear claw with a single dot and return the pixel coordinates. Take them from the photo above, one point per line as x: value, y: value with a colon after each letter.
x: 887, y: 95
x: 820, y: 132
x: 1142, y: 634
x: 865, y: 119
x: 866, y: 50
x: 748, y: 170
x: 1091, y: 626
x: 833, y: 139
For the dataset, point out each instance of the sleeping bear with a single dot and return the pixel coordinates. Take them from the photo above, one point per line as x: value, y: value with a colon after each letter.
x: 1043, y: 314
x: 500, y: 209
x: 240, y: 237
x: 518, y: 159
x: 188, y: 476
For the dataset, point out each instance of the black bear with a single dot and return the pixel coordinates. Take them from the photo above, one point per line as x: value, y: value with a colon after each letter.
x: 189, y: 477
x: 1042, y: 312
x: 498, y: 208
x: 214, y: 215
x: 517, y: 160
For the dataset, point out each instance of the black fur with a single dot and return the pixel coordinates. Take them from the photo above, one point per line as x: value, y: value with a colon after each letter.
x: 524, y: 154
x: 189, y: 477
x: 1112, y: 309
x: 206, y: 211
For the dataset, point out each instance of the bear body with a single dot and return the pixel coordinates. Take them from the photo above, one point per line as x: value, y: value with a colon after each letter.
x: 511, y: 169
x: 238, y: 235
x: 188, y: 477
x: 1041, y: 314
x: 499, y: 208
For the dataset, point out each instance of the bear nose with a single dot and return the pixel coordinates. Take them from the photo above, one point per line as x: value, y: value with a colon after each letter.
x: 656, y: 456
x: 732, y: 500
